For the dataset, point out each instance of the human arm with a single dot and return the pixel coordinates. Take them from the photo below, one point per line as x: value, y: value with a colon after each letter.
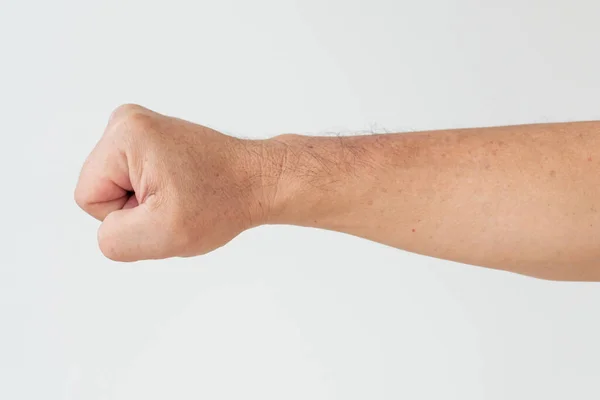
x: 517, y: 198
x: 520, y: 198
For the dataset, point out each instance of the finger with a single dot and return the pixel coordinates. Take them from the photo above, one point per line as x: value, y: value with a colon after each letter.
x: 133, y: 234
x: 131, y: 202
x: 104, y: 185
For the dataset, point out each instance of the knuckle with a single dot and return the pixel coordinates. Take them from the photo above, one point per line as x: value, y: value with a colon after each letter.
x: 78, y: 197
x: 124, y: 110
x: 81, y: 198
x: 140, y: 122
x: 132, y: 113
x: 108, y: 243
x: 131, y: 118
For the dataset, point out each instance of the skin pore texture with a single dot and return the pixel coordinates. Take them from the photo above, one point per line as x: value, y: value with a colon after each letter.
x: 517, y: 198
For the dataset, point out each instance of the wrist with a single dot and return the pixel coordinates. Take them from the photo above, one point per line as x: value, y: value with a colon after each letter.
x: 282, y: 183
x: 308, y: 180
x: 305, y: 178
x: 260, y: 166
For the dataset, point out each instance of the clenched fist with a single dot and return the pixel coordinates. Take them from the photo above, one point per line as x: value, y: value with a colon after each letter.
x: 165, y: 187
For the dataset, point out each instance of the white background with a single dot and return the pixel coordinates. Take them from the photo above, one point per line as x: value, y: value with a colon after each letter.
x: 281, y: 312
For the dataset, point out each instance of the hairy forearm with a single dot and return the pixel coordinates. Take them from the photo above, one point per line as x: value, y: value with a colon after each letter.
x: 519, y: 198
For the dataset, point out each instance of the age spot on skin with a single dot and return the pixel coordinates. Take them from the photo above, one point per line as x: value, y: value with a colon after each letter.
x: 553, y: 173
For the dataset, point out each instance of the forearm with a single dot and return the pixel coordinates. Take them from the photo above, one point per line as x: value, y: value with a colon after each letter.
x: 519, y: 198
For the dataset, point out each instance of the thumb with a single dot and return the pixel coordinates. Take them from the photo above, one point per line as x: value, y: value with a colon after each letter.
x: 133, y: 234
